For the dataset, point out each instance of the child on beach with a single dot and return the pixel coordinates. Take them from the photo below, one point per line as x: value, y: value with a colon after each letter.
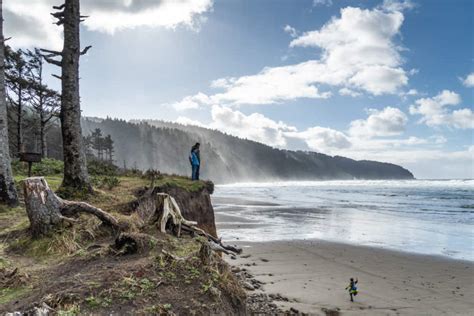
x: 352, y: 288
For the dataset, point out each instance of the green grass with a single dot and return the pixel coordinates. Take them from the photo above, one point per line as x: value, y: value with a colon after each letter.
x: 9, y: 294
x: 181, y: 182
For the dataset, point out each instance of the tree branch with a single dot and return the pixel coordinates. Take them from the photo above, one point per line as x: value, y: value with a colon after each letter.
x: 58, y: 15
x: 56, y: 76
x: 51, y: 53
x: 72, y: 208
x: 53, y: 61
x: 85, y: 50
x: 60, y: 7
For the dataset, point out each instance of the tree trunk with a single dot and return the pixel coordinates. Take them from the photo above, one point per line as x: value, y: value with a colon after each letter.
x: 46, y: 211
x: 75, y: 169
x: 42, y: 135
x: 19, y: 118
x: 8, y: 192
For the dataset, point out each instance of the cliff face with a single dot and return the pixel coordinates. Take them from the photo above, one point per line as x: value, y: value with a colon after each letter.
x: 195, y: 205
x: 228, y: 159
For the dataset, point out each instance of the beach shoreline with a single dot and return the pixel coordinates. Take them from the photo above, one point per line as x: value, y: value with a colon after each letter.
x: 312, y: 276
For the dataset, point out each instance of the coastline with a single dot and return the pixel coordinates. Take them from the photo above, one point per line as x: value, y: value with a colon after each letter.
x: 312, y: 275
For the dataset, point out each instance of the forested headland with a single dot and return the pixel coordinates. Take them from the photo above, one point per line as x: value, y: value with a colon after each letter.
x: 226, y: 158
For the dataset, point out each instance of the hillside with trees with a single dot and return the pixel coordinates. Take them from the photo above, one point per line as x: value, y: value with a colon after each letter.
x: 226, y: 159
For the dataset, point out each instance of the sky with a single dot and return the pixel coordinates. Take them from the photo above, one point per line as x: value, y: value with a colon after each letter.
x: 389, y: 80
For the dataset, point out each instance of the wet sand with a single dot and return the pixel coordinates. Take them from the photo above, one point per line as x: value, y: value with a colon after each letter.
x: 315, y: 274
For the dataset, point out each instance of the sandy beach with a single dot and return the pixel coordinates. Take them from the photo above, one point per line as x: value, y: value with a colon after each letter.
x: 312, y: 274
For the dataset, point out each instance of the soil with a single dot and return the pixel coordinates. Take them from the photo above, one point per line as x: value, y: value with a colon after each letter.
x: 103, y: 282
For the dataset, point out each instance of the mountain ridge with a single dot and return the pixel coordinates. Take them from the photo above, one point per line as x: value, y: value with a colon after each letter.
x: 226, y: 158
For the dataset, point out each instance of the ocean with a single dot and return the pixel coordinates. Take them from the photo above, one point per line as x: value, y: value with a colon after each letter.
x: 433, y: 217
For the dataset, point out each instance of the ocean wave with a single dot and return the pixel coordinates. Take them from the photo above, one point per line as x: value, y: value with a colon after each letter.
x: 464, y: 183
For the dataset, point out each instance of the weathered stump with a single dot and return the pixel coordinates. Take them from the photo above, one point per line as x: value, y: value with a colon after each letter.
x: 47, y: 211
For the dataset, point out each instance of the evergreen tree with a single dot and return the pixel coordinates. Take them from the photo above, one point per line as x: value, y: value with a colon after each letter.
x: 75, y: 169
x: 16, y: 75
x: 44, y: 101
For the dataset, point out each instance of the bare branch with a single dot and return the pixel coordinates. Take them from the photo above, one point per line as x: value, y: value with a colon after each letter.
x: 53, y: 61
x: 84, y: 51
x: 58, y: 15
x: 6, y: 39
x: 51, y: 52
x: 56, y: 76
x: 60, y: 7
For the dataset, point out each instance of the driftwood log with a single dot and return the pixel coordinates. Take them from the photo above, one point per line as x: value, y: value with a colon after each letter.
x: 47, y: 211
x: 171, y: 212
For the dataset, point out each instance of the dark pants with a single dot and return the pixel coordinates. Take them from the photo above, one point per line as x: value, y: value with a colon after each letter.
x: 195, y: 172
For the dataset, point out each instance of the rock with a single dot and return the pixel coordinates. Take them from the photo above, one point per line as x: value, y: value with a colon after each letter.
x: 248, y: 286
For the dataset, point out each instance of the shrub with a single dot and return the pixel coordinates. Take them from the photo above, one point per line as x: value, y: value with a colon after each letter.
x: 108, y: 182
x: 131, y: 172
x: 101, y: 168
x: 47, y: 167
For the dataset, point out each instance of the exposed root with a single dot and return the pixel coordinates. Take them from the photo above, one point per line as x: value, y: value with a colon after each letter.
x: 46, y: 210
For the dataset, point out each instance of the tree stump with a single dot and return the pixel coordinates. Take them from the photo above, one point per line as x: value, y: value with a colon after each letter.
x: 47, y: 211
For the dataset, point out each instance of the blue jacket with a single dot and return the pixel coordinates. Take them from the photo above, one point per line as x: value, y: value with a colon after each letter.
x: 194, y: 158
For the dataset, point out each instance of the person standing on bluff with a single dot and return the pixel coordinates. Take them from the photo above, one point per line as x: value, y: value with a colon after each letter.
x: 195, y: 160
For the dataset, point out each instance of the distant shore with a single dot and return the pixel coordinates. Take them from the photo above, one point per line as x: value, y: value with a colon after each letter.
x: 315, y: 273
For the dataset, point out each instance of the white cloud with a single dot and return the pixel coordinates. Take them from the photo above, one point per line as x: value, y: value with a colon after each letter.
x: 322, y: 139
x: 290, y: 30
x: 187, y: 121
x: 388, y: 122
x: 191, y: 102
x: 397, y: 5
x: 469, y: 80
x: 30, y: 23
x: 349, y: 92
x: 271, y: 85
x: 255, y: 126
x: 358, y: 54
x: 359, y: 47
x: 111, y: 16
x: 434, y: 111
x: 322, y: 2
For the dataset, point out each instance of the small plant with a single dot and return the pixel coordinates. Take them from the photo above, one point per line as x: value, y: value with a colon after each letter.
x: 152, y: 175
x: 105, y: 182
x: 70, y: 311
x: 206, y: 286
x: 93, y: 301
